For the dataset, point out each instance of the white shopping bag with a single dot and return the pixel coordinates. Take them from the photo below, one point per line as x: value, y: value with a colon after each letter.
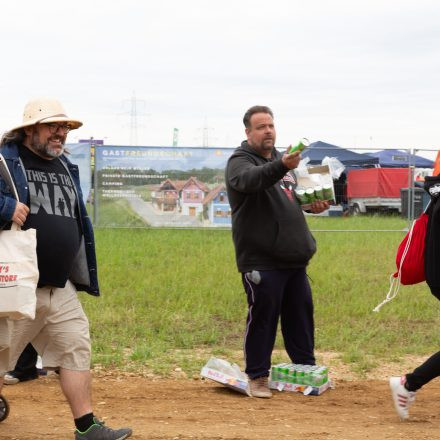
x: 18, y: 265
x: 227, y: 374
x: 18, y: 273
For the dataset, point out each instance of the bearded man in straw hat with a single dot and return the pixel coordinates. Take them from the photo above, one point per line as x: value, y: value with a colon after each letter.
x: 47, y: 181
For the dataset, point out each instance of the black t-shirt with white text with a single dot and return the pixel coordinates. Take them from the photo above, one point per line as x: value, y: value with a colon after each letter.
x: 54, y: 214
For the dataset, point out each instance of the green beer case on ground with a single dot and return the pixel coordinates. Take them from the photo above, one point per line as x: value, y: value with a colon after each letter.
x: 307, y: 379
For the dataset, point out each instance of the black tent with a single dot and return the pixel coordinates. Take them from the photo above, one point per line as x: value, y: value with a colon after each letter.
x: 316, y: 151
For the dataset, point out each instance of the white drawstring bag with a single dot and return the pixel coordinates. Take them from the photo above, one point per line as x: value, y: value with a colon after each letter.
x: 18, y: 265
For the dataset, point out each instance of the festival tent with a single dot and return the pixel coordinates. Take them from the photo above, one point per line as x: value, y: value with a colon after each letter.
x: 316, y: 151
x: 401, y: 159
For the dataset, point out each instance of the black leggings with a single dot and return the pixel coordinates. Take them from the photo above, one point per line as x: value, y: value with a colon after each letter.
x: 429, y: 370
x: 26, y: 366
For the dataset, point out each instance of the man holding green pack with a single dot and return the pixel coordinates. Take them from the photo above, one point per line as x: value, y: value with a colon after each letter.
x: 273, y: 246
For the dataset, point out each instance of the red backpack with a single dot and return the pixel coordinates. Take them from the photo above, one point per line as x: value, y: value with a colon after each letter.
x: 410, y: 259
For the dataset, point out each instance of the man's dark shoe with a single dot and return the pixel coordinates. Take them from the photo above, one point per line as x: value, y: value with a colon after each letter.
x: 100, y: 432
x: 11, y: 378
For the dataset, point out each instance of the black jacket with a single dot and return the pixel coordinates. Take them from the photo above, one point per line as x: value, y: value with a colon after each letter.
x: 432, y: 239
x: 268, y: 226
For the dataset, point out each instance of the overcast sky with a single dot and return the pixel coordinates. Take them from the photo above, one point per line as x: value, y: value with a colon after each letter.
x: 358, y: 74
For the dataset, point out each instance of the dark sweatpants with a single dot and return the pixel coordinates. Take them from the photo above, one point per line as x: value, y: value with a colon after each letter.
x: 26, y: 366
x: 429, y: 370
x: 284, y: 293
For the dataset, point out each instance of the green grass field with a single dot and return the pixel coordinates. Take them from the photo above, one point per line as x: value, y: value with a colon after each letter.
x: 174, y: 297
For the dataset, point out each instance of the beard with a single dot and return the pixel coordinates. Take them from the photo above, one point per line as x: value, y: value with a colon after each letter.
x: 267, y: 144
x: 45, y: 150
x: 264, y: 147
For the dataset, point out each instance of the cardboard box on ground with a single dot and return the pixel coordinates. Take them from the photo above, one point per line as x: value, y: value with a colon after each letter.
x: 314, y: 183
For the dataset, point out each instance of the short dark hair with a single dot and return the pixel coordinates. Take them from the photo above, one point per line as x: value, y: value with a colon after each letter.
x: 255, y: 109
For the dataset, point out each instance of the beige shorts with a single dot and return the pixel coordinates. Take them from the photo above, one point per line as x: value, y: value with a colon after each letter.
x: 59, y: 332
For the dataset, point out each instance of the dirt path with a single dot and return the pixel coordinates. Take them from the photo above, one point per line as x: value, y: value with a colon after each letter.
x: 203, y: 410
x: 156, y: 218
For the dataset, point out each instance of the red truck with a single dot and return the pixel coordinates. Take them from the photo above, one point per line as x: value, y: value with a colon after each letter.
x: 376, y: 189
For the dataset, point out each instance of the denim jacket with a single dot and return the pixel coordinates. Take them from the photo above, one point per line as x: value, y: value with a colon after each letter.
x: 84, y: 272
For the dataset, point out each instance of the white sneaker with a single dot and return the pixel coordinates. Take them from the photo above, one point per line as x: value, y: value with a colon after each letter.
x: 402, y: 398
x: 10, y: 379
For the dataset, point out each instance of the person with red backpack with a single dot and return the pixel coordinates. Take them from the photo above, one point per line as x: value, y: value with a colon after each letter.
x: 404, y: 388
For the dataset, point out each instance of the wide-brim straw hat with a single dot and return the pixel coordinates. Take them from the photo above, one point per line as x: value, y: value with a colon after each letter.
x: 45, y: 110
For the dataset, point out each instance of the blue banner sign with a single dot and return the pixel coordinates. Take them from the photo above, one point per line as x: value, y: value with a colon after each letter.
x: 161, y: 186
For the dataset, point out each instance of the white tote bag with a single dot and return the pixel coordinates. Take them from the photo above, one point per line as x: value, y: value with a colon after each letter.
x: 18, y: 273
x: 18, y: 266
